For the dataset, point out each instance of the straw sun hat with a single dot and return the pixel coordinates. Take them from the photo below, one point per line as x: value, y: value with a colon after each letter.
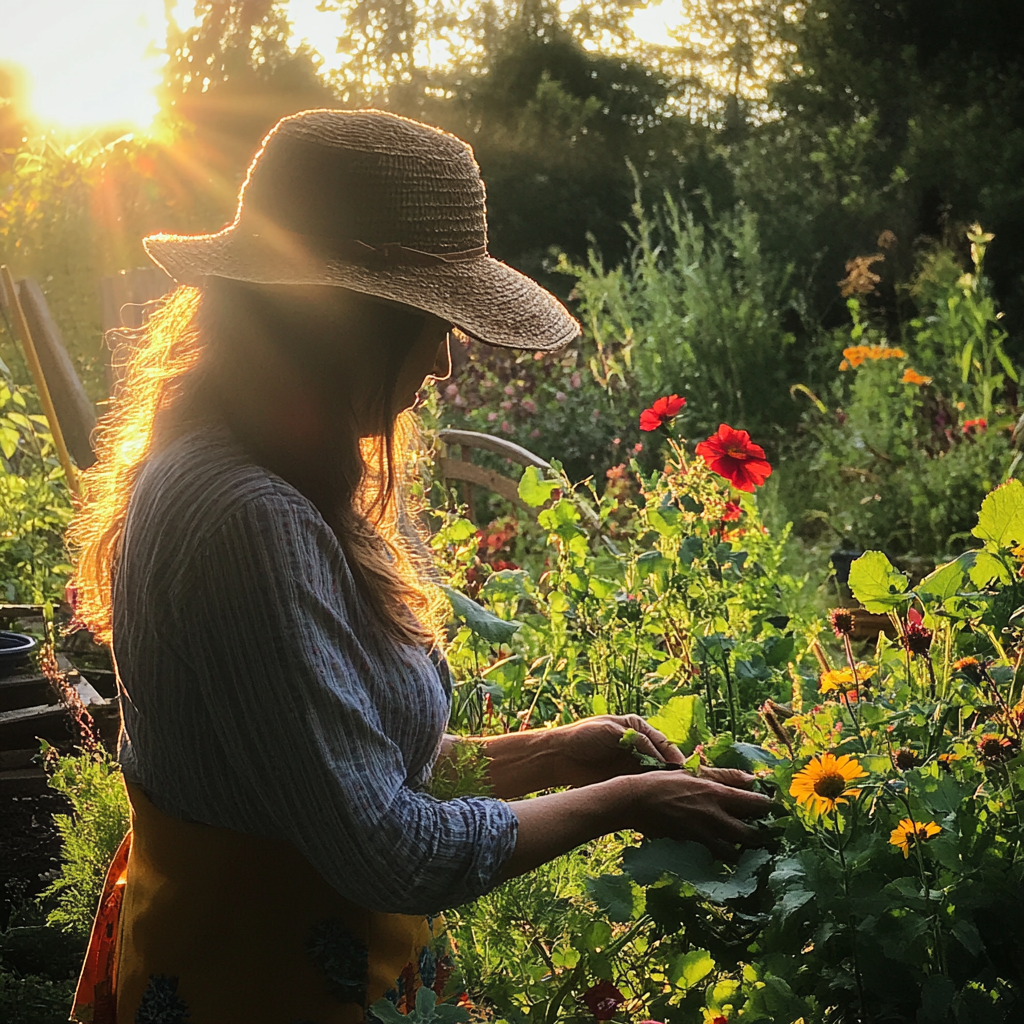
x: 381, y: 205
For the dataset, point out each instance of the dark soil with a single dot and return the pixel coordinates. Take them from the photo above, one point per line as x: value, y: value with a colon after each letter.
x: 29, y: 847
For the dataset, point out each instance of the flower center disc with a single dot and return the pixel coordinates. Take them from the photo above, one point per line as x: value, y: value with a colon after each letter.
x: 736, y: 453
x: 830, y: 785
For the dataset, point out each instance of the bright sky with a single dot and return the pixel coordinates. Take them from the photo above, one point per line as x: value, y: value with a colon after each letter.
x: 93, y: 62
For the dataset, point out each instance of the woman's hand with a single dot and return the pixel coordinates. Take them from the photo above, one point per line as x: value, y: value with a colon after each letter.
x: 588, y: 751
x: 710, y: 808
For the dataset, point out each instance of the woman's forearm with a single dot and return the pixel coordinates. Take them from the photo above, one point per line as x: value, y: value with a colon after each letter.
x: 517, y: 763
x: 559, y: 822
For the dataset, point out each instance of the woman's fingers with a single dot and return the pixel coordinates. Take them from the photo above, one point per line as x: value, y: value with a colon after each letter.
x: 733, y: 777
x: 652, y: 742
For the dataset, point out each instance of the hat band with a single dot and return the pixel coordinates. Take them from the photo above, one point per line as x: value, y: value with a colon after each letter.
x: 374, y: 257
x: 394, y: 254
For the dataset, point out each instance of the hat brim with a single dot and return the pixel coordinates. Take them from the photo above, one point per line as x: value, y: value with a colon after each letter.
x: 482, y: 297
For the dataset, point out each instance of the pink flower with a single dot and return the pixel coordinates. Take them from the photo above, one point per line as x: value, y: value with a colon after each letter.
x: 491, y: 417
x: 529, y: 405
x: 575, y: 381
x: 560, y: 396
x: 663, y: 410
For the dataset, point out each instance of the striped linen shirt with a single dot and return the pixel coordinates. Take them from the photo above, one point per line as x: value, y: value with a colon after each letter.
x: 258, y: 693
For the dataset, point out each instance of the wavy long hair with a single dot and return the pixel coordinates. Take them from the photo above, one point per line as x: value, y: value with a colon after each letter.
x: 168, y: 384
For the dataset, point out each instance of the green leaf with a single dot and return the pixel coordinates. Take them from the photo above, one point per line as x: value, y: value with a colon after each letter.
x: 534, y: 489
x: 691, y: 968
x: 948, y: 579
x: 481, y: 621
x: 691, y: 548
x: 665, y: 521
x: 595, y: 936
x: 653, y: 562
x: 1001, y: 519
x: 876, y: 584
x: 778, y: 649
x: 683, y: 721
x: 692, y: 863
x: 614, y: 895
x: 986, y: 569
x: 506, y: 583
x: 386, y: 1011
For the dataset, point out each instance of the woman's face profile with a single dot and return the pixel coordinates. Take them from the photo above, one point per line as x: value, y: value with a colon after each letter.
x: 428, y: 357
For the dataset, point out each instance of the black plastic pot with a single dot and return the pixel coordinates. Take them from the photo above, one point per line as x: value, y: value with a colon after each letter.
x: 15, y: 649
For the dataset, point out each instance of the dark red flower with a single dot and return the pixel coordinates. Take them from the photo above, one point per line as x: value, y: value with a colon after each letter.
x: 663, y: 410
x: 917, y: 638
x: 731, y: 454
x: 603, y: 999
x: 842, y: 621
x: 732, y: 512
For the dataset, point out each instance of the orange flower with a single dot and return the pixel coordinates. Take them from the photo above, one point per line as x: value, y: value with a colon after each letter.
x: 909, y: 832
x: 911, y: 376
x: 824, y: 782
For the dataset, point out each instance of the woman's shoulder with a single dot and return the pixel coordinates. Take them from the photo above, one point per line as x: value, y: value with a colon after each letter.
x: 204, y: 478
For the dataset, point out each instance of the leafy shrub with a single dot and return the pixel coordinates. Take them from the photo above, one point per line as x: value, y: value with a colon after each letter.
x: 90, y: 835
x: 34, y: 503
x: 915, y: 431
x: 700, y: 311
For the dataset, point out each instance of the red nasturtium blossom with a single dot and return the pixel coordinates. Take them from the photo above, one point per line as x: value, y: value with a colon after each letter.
x: 731, y: 454
x: 663, y: 410
x: 732, y: 512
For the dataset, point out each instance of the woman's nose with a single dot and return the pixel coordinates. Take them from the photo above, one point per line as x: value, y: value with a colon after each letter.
x: 442, y: 368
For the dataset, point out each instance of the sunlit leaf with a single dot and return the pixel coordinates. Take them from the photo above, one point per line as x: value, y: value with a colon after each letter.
x: 876, y: 583
x: 1001, y: 519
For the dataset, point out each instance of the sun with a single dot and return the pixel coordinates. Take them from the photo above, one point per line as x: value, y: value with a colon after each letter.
x: 86, y: 63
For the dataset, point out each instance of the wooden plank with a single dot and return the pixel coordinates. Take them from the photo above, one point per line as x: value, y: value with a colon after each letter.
x: 499, y: 446
x: 75, y: 412
x: 481, y: 476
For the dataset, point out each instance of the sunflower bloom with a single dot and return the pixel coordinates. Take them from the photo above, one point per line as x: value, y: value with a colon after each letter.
x: 909, y: 832
x: 825, y: 782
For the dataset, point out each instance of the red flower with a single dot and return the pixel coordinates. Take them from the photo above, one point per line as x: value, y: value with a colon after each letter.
x: 663, y: 410
x: 975, y: 426
x: 731, y: 454
x: 603, y: 999
x: 732, y: 512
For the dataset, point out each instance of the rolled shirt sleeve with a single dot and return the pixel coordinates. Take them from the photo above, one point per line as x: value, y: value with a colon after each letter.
x: 287, y: 663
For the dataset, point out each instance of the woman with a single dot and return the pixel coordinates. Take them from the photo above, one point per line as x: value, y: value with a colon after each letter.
x: 247, y: 547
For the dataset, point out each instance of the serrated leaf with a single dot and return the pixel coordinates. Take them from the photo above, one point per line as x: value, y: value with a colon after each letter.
x: 614, y: 895
x: 684, y: 721
x: 534, y: 489
x: 481, y: 621
x: 876, y: 583
x: 1001, y: 519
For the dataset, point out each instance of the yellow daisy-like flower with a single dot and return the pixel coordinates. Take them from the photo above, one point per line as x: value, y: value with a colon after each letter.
x: 842, y: 678
x: 909, y: 832
x: 825, y: 782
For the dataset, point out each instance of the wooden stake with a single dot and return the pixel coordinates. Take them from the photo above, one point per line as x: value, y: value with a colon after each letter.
x: 25, y: 337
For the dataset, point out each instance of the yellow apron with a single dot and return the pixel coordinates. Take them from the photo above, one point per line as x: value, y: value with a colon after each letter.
x: 211, y: 926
